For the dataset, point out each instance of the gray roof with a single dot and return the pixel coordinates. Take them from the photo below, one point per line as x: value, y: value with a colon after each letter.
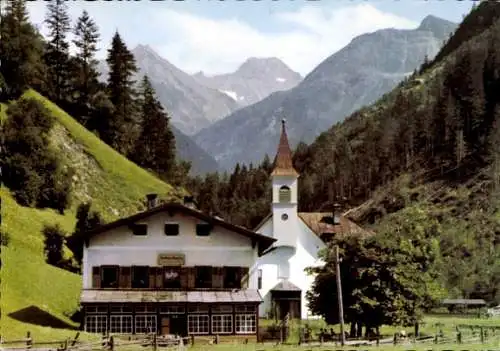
x: 247, y: 295
x: 285, y: 285
x: 464, y: 302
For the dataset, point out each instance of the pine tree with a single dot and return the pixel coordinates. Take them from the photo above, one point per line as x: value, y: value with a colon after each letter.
x: 21, y: 50
x: 122, y: 129
x: 155, y: 147
x: 57, y: 52
x: 85, y: 84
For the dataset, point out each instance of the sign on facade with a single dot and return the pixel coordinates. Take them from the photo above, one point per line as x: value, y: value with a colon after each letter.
x: 168, y: 259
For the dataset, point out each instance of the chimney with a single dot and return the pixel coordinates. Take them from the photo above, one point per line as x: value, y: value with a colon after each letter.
x: 151, y: 200
x: 336, y: 213
x: 189, y: 202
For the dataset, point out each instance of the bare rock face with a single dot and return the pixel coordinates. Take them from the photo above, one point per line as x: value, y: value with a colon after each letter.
x: 254, y: 80
x: 191, y: 105
x: 357, y: 75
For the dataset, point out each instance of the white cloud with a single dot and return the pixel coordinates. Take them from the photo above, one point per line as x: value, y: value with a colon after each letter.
x: 193, y: 42
x: 220, y: 46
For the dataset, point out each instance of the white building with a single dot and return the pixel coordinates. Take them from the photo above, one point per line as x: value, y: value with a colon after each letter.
x: 172, y: 270
x: 280, y: 271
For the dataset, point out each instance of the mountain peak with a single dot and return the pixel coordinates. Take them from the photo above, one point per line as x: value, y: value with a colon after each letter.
x: 438, y: 26
x: 260, y: 62
x: 144, y: 49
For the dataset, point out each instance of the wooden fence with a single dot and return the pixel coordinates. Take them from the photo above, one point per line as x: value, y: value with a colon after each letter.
x: 465, y: 334
x: 107, y: 343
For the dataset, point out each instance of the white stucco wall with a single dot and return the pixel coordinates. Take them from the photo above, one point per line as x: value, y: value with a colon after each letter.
x: 120, y: 246
x: 303, y: 255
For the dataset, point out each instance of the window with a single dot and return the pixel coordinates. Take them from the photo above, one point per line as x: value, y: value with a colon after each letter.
x: 145, y: 323
x: 203, y: 277
x: 171, y: 229
x: 96, y: 324
x: 284, y: 217
x: 109, y: 277
x: 120, y: 324
x: 222, y: 309
x: 121, y: 309
x: 259, y: 279
x: 245, y: 323
x: 171, y: 277
x: 96, y: 309
x: 203, y: 229
x: 145, y: 309
x: 285, y: 195
x: 283, y: 270
x: 172, y: 310
x: 246, y: 309
x: 222, y: 324
x: 198, y: 324
x: 140, y: 229
x: 198, y: 309
x: 140, y: 277
x: 232, y: 277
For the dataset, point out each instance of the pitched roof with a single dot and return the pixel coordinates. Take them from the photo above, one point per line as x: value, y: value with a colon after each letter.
x: 264, y: 240
x: 317, y: 223
x: 244, y: 295
x: 283, y: 164
x: 463, y: 302
x: 285, y: 285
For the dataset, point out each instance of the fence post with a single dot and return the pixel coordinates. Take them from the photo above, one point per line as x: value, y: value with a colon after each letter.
x: 111, y: 343
x: 192, y: 339
x: 482, y: 335
x: 75, y: 339
x: 155, y: 342
x: 29, y: 342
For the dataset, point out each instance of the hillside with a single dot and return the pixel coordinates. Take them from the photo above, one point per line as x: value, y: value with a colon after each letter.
x: 34, y: 293
x: 254, y: 80
x: 424, y: 158
x: 188, y: 150
x: 357, y: 75
x: 428, y: 147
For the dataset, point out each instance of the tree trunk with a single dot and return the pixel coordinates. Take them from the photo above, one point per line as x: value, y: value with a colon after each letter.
x: 352, y: 334
x: 359, y: 329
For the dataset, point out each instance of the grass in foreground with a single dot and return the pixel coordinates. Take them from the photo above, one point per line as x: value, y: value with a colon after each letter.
x: 40, y: 298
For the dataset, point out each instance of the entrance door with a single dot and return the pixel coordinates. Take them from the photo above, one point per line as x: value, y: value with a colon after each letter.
x: 165, y: 325
x: 178, y: 324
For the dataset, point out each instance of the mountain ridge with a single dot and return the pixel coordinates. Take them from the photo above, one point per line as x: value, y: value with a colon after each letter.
x: 253, y: 80
x: 356, y: 75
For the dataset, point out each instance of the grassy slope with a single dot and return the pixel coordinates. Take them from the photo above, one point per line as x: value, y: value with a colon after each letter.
x: 116, y: 187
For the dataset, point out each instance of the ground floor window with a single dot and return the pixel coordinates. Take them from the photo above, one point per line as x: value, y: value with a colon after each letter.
x: 96, y: 324
x: 222, y: 324
x: 145, y: 324
x: 198, y: 324
x: 246, y: 323
x: 120, y: 324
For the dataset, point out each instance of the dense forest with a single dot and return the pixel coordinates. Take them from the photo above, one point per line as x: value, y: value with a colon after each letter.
x: 431, y: 146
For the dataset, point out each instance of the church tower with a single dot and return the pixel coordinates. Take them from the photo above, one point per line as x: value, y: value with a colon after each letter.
x: 285, y: 194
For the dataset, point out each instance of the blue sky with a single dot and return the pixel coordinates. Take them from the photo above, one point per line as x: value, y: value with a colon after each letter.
x: 216, y: 36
